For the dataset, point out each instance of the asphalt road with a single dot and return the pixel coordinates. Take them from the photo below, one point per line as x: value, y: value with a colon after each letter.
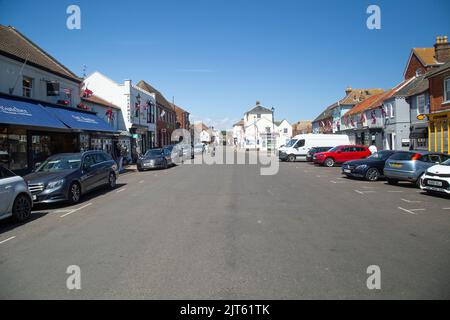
x: 226, y: 232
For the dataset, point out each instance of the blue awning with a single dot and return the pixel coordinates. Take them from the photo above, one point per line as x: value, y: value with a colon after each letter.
x: 27, y: 114
x: 80, y: 120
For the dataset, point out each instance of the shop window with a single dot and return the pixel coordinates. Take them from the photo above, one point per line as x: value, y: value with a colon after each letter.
x: 52, y: 89
x: 40, y: 148
x: 421, y: 104
x: 84, y: 142
x: 17, y: 141
x: 4, y: 149
x: 27, y: 87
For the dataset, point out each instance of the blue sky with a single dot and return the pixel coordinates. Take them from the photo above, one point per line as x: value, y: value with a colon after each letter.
x: 217, y: 57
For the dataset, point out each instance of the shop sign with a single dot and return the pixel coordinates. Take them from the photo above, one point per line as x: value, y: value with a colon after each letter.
x: 15, y: 111
x: 84, y: 120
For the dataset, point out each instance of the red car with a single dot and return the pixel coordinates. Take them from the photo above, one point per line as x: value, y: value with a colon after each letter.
x: 341, y: 154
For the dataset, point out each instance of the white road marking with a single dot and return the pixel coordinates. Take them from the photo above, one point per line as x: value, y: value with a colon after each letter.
x: 410, y: 201
x: 336, y: 182
x: 364, y: 192
x: 410, y: 211
x: 6, y: 240
x: 121, y: 190
x: 365, y: 187
x: 75, y: 210
x: 445, y: 208
x: 395, y: 191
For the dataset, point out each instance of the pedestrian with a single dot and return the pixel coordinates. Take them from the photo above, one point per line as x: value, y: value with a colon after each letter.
x: 373, y: 149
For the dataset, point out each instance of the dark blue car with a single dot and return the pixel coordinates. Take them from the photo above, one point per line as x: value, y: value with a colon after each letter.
x: 370, y: 168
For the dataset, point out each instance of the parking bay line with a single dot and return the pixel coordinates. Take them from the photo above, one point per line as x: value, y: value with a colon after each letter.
x: 364, y: 192
x: 410, y: 211
x: 6, y: 240
x: 410, y: 201
x: 121, y: 190
x: 75, y: 210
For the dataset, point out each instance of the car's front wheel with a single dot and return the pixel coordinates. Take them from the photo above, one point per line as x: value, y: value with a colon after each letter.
x: 74, y: 193
x: 292, y: 158
x: 372, y: 174
x: 329, y: 162
x: 112, y: 181
x: 21, y: 208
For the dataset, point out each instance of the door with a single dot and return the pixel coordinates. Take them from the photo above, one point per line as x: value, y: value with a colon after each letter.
x: 7, y: 181
x: 342, y: 155
x: 88, y: 179
x: 102, y: 169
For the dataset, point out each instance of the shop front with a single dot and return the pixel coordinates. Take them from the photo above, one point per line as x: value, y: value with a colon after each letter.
x: 419, y: 137
x: 31, y: 131
x: 438, y: 132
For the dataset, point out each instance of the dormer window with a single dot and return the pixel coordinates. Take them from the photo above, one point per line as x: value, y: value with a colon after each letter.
x: 419, y: 72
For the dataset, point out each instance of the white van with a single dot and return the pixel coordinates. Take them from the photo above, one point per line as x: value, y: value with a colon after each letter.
x: 298, y: 147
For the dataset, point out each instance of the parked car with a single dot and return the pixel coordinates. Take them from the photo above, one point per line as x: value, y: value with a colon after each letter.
x: 175, y: 152
x: 68, y: 176
x: 411, y: 165
x: 313, y: 151
x: 371, y: 168
x: 437, y: 179
x: 341, y: 154
x: 15, y: 198
x: 155, y: 159
x: 187, y: 150
x: 297, y: 148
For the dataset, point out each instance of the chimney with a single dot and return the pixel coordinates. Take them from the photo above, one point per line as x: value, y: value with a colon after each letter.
x: 442, y: 49
x: 348, y: 90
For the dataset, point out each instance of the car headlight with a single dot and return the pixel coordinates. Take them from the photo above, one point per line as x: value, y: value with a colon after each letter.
x: 55, y: 184
x: 361, y: 167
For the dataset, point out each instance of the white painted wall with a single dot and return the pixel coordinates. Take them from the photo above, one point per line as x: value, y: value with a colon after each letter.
x: 11, y: 74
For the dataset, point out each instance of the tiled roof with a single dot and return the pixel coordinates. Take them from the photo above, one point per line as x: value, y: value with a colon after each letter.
x: 327, y: 113
x: 426, y: 56
x: 366, y: 104
x: 444, y: 68
x: 239, y: 123
x: 98, y: 100
x: 417, y: 86
x: 259, y: 109
x: 178, y: 109
x: 16, y: 46
x: 159, y: 97
x: 355, y: 96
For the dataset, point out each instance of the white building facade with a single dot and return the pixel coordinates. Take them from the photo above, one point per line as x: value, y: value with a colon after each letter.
x: 137, y: 105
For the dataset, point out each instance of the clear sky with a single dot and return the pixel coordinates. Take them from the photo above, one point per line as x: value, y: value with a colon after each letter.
x: 217, y: 57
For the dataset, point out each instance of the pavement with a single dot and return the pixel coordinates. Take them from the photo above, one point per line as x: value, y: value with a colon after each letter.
x: 227, y: 232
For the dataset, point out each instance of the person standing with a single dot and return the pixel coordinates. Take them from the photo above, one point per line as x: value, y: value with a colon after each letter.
x: 373, y: 149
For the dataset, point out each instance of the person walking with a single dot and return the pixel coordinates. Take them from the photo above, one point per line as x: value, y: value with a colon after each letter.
x: 373, y: 149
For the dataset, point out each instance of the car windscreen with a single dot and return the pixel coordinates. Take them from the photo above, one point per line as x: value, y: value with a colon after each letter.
x: 153, y: 153
x: 60, y: 163
x: 402, y: 156
x: 381, y: 155
x: 291, y: 143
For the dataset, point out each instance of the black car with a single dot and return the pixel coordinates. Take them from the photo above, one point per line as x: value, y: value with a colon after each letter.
x: 370, y: 168
x: 313, y: 151
x: 67, y: 176
x: 155, y: 159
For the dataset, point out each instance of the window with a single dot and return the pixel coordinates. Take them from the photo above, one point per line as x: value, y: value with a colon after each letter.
x: 27, y: 84
x: 392, y: 110
x: 447, y: 90
x: 5, y: 173
x: 258, y: 116
x: 285, y: 130
x: 421, y: 104
x: 301, y: 143
x: 434, y: 158
x: 52, y: 89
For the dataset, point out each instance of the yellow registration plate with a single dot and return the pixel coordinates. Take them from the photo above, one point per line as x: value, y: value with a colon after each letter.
x: 395, y: 165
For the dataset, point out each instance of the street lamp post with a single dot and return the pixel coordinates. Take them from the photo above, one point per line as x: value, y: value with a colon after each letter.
x: 273, y: 128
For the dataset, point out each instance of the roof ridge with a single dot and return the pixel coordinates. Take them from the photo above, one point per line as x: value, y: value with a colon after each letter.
x: 42, y: 52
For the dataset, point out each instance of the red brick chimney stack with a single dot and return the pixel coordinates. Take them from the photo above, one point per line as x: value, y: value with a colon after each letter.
x: 442, y: 49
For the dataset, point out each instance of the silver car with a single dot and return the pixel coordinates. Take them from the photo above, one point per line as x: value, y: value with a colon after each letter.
x: 15, y: 198
x: 410, y: 165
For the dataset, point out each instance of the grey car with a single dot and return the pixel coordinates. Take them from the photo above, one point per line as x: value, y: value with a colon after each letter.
x: 411, y: 165
x: 155, y: 159
x: 15, y: 198
x: 66, y: 177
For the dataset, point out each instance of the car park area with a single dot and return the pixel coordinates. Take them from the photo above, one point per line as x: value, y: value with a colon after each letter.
x: 306, y: 232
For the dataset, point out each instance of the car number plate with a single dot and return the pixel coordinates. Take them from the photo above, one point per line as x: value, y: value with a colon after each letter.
x: 347, y: 171
x: 395, y: 165
x: 434, y: 183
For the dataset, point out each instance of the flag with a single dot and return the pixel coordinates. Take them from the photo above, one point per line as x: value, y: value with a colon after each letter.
x: 87, y: 93
x: 162, y: 113
x: 110, y: 114
x: 383, y: 111
x: 363, y: 117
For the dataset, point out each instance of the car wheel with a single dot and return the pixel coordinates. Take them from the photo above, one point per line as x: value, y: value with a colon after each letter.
x: 417, y: 183
x: 329, y: 162
x: 372, y: 174
x: 292, y: 158
x: 392, y: 182
x: 21, y: 208
x: 74, y: 193
x: 112, y: 181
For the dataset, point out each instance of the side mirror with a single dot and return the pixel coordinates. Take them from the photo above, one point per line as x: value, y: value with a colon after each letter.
x: 86, y: 167
x: 36, y: 165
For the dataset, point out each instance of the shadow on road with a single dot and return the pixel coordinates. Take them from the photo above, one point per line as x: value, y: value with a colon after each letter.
x: 9, y: 223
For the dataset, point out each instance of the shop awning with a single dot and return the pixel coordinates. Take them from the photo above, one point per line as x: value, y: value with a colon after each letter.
x: 23, y: 113
x: 79, y: 120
